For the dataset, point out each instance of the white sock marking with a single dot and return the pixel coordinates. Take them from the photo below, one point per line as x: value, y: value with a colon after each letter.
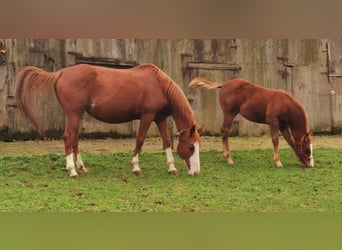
x: 70, y: 165
x: 170, y: 160
x: 135, y: 163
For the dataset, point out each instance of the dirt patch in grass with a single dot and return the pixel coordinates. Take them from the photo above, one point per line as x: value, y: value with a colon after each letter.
x: 154, y: 144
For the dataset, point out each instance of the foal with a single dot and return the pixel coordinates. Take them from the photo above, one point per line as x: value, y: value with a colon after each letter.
x: 277, y: 108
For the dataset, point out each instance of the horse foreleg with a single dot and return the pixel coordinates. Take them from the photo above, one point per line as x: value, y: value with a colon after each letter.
x: 227, y: 122
x: 70, y: 138
x: 165, y: 135
x: 274, y: 127
x: 288, y: 137
x: 145, y: 123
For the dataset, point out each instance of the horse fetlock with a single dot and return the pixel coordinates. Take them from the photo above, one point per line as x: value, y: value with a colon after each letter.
x: 135, y: 163
x: 226, y: 154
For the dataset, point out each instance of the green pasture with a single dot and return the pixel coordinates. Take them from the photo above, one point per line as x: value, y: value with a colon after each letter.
x: 253, y: 184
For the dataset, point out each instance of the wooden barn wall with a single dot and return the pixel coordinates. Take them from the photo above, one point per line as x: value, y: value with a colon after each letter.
x: 311, y: 69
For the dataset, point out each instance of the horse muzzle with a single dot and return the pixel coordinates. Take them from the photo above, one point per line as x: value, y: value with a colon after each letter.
x: 194, y: 162
x: 310, y: 162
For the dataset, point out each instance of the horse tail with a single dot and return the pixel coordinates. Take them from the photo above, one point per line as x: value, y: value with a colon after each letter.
x: 201, y: 82
x: 35, y: 93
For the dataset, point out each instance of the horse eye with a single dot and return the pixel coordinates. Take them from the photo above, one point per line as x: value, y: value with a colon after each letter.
x: 192, y: 147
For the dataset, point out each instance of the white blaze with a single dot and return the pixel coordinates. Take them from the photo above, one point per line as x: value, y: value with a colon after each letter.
x: 195, y: 167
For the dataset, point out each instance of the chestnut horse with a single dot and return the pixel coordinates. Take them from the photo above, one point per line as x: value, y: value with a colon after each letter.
x: 114, y: 96
x: 277, y: 108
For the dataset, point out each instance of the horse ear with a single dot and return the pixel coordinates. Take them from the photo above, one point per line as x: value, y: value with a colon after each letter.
x: 192, y: 130
x: 199, y: 129
x: 308, y: 135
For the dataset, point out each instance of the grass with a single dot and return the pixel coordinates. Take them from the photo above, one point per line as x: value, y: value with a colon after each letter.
x: 40, y: 183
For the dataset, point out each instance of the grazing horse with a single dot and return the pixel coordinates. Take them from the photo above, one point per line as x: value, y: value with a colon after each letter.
x: 277, y: 108
x: 114, y: 96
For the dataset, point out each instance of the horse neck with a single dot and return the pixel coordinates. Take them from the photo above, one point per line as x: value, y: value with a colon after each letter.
x: 182, y: 121
x: 299, y: 125
x: 181, y: 109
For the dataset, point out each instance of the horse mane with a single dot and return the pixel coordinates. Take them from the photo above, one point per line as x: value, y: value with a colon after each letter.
x: 175, y: 94
x: 302, y: 110
x: 34, y: 91
x: 299, y: 106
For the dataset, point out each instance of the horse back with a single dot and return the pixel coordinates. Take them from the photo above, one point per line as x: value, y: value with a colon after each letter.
x: 111, y: 95
x: 254, y: 102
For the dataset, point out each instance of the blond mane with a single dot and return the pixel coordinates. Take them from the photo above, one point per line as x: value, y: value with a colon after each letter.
x: 177, y: 98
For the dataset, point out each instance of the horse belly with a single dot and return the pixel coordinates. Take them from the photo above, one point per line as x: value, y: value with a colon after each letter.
x: 253, y: 113
x: 113, y: 114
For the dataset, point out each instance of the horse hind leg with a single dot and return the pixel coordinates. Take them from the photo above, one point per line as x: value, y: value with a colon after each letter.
x: 165, y: 135
x: 70, y: 138
x: 274, y: 127
x: 145, y: 123
x: 227, y: 122
x: 79, y: 162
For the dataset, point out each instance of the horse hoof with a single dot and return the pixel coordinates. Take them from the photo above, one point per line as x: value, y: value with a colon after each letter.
x: 137, y: 172
x: 173, y: 172
x: 230, y: 161
x: 84, y: 170
x: 193, y: 173
x: 73, y: 175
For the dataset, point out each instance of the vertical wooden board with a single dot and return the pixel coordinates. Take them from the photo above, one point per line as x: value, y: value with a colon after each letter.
x: 3, y: 96
x: 69, y: 47
x: 311, y: 89
x: 336, y: 83
x: 336, y: 102
x: 306, y: 52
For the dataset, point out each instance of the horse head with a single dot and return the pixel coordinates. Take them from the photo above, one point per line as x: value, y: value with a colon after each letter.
x: 188, y: 148
x: 305, y: 150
